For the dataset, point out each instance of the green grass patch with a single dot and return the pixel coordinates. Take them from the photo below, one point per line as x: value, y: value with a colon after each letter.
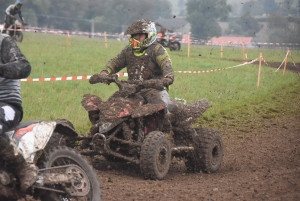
x: 233, y: 93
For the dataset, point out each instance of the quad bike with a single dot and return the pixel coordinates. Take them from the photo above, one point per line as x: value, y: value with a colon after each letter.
x: 63, y: 173
x: 169, y: 40
x: 15, y: 31
x: 125, y: 128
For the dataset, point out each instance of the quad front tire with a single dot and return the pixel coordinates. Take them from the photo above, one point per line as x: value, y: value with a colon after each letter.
x: 156, y: 155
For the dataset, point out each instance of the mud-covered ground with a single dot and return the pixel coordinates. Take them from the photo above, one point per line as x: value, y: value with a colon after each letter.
x: 263, y: 164
x: 259, y: 164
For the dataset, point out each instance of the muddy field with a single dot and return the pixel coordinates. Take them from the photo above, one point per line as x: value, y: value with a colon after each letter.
x: 263, y: 164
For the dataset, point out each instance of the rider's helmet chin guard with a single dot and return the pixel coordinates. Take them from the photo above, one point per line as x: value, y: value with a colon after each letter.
x: 141, y: 26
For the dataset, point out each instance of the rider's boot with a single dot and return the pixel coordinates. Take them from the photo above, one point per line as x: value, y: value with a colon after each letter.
x: 27, y: 173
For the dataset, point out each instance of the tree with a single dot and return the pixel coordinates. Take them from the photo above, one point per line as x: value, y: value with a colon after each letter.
x: 246, y: 25
x: 269, y: 6
x: 287, y: 7
x: 110, y: 16
x: 281, y: 31
x: 203, y: 16
x: 252, y: 7
x: 277, y: 20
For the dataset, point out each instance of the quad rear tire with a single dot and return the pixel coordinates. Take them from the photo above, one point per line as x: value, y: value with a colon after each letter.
x: 208, y: 153
x: 156, y: 155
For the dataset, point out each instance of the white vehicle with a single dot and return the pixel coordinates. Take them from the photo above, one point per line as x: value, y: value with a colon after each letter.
x: 63, y: 173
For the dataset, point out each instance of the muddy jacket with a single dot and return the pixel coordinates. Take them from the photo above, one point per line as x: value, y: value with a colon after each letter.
x: 13, y: 66
x: 155, y: 63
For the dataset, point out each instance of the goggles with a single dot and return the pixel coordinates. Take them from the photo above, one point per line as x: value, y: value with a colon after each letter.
x: 135, y: 44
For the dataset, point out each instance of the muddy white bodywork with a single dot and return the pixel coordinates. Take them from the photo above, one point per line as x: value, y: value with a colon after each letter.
x: 33, y: 138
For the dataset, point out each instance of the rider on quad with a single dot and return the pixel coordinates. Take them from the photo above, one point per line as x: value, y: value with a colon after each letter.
x: 10, y: 13
x: 13, y: 66
x: 145, y: 59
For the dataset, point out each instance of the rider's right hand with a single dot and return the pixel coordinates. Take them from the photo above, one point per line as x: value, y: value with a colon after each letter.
x: 102, y: 77
x: 104, y: 72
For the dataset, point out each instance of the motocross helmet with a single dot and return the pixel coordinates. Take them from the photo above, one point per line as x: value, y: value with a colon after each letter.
x: 141, y: 26
x: 18, y: 4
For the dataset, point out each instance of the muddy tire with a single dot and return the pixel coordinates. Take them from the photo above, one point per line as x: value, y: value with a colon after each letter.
x: 156, y: 155
x: 19, y: 36
x: 89, y: 180
x: 175, y: 46
x: 208, y: 154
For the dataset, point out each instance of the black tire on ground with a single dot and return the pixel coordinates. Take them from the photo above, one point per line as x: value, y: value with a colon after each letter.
x: 156, y: 156
x: 19, y: 36
x: 63, y: 156
x: 209, y: 151
x: 175, y: 46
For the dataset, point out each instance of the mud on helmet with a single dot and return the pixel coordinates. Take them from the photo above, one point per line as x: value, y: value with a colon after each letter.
x: 141, y: 26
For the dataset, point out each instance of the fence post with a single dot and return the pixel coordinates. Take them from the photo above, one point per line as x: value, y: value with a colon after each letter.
x: 285, y: 62
x: 221, y: 51
x: 189, y: 44
x: 105, y: 39
x: 259, y: 69
x: 68, y: 40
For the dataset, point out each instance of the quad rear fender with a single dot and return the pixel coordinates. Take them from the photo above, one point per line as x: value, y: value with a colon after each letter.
x: 65, y: 127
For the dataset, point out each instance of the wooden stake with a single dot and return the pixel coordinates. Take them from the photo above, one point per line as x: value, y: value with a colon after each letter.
x: 285, y: 62
x: 105, y: 39
x: 243, y: 51
x: 68, y: 40
x: 259, y: 69
x: 189, y: 41
x: 221, y: 51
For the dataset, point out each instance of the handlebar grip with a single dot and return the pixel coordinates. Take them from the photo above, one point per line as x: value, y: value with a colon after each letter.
x: 107, y: 79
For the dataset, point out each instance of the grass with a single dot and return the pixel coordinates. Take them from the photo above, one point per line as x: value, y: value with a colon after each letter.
x: 233, y: 93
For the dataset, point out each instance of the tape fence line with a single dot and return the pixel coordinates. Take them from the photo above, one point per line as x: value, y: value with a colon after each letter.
x: 86, y: 77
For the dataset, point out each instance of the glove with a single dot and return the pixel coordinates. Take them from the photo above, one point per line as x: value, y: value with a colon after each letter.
x: 166, y: 81
x: 104, y: 72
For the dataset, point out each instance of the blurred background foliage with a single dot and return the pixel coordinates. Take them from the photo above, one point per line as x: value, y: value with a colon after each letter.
x: 246, y: 18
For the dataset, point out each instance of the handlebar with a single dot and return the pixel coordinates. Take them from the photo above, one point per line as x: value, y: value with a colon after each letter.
x: 128, y: 86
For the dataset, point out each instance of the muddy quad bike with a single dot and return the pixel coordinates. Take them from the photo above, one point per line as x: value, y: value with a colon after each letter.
x: 63, y: 174
x: 126, y: 128
x: 15, y: 31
